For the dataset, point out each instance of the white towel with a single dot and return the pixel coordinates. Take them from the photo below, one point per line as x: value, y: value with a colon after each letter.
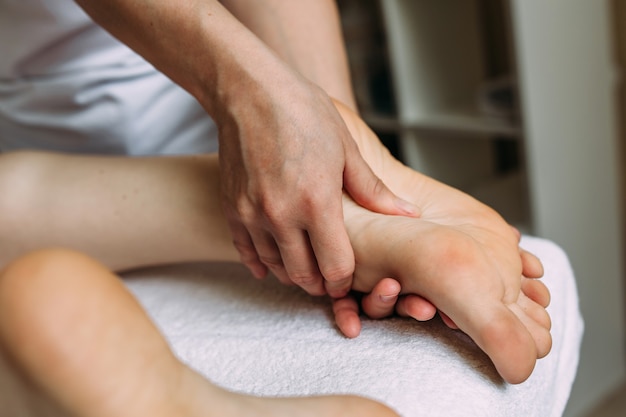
x: 263, y: 338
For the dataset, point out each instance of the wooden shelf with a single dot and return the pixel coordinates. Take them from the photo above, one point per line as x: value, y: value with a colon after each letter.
x: 507, y: 194
x: 454, y: 122
x: 558, y: 57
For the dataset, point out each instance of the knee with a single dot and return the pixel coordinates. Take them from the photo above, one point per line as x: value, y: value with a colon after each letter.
x: 37, y: 280
x: 39, y: 315
x: 35, y: 292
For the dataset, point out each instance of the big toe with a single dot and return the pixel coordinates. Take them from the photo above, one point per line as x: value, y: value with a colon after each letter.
x: 507, y: 342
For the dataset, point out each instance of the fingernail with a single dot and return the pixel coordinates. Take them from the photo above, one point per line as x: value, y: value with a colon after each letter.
x: 387, y: 298
x: 408, y: 208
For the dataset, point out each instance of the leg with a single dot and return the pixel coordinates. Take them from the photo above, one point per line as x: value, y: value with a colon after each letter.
x: 438, y: 202
x: 460, y: 275
x: 165, y: 210
x: 461, y: 244
x: 64, y: 317
x: 162, y: 210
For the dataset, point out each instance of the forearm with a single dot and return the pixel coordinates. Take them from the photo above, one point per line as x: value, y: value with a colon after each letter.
x: 307, y: 35
x: 198, y: 44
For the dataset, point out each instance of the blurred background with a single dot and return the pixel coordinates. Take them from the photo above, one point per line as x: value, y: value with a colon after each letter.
x: 521, y: 104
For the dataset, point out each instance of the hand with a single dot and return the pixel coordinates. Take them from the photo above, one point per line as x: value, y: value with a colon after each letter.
x: 285, y: 152
x: 385, y: 300
x: 285, y: 157
x: 382, y: 302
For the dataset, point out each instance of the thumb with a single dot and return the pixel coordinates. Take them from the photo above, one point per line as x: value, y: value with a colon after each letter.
x: 369, y: 191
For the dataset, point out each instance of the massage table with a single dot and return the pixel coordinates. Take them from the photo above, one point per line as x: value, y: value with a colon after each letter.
x: 266, y: 339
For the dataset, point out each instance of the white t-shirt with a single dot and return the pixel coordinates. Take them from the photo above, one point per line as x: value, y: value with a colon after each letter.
x: 67, y: 85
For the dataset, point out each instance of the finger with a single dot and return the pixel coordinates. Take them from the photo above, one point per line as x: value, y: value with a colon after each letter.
x: 536, y: 291
x: 531, y: 265
x: 381, y: 302
x: 333, y: 251
x: 299, y: 261
x: 447, y: 320
x: 346, y: 311
x: 369, y: 191
x: 415, y: 306
x: 269, y: 254
x: 247, y: 252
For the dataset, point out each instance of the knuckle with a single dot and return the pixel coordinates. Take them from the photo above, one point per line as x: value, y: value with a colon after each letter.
x: 274, y: 213
x: 244, y: 210
x: 305, y: 278
x: 278, y: 215
x: 271, y: 261
x: 338, y: 273
x: 240, y: 210
x: 378, y: 187
x: 246, y: 251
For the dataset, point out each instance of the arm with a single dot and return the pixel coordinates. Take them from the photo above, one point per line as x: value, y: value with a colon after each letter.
x: 286, y: 154
x: 306, y: 35
x: 185, y: 223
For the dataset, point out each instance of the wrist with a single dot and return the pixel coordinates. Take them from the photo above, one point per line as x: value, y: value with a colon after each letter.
x: 238, y: 73
x: 252, y: 86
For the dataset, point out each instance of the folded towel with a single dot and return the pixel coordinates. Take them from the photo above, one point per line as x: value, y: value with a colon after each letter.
x: 263, y: 338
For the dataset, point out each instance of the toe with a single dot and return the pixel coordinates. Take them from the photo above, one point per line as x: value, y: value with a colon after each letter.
x: 507, y: 342
x: 540, y: 332
x: 534, y: 311
x: 531, y: 265
x: 536, y: 291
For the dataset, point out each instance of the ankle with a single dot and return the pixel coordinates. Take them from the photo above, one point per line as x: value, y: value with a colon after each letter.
x: 195, y: 396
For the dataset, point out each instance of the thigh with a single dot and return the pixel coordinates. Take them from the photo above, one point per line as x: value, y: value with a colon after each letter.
x: 19, y: 397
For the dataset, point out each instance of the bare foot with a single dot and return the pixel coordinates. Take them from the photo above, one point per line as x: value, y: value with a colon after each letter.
x: 438, y: 202
x: 86, y: 348
x: 460, y: 255
x: 460, y: 275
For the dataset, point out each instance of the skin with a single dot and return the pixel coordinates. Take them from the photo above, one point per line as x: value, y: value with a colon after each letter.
x: 47, y: 200
x: 268, y: 86
x: 286, y: 155
x: 271, y: 114
x: 457, y: 247
x: 471, y: 249
x: 74, y: 342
